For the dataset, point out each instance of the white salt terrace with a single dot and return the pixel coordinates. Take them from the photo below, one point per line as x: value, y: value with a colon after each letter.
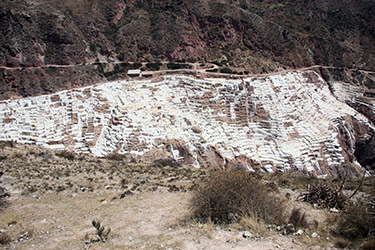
x: 277, y: 121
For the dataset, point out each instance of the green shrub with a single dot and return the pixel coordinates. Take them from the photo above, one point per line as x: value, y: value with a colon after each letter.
x: 191, y: 60
x: 153, y: 66
x: 136, y: 65
x: 228, y: 196
x: 226, y: 70
x: 92, y: 47
x: 125, y: 65
x: 212, y: 70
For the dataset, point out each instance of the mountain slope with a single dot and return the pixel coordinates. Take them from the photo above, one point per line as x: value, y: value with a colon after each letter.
x: 261, y: 36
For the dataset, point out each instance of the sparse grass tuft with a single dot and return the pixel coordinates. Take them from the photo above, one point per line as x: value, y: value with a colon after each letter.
x: 298, y: 218
x: 254, y: 224
x: 209, y: 229
x: 226, y: 196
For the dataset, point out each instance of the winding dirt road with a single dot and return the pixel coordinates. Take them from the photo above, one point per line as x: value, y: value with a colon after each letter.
x: 194, y: 69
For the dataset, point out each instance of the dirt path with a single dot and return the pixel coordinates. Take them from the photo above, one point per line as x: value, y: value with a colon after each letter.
x: 194, y: 69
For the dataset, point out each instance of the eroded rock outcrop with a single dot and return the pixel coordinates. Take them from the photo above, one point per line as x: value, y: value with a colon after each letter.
x: 285, y: 122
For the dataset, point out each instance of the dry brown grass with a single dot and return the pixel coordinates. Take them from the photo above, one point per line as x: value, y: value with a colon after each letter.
x: 253, y: 224
x: 208, y: 229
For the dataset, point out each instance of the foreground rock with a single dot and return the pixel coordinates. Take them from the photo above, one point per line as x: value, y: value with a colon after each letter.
x: 282, y: 122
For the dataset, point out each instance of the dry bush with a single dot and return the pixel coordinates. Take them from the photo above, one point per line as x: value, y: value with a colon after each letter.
x: 66, y: 154
x: 3, y: 194
x: 356, y: 221
x: 4, y: 238
x: 298, y: 218
x: 116, y: 157
x: 369, y: 245
x: 342, y: 243
x: 370, y: 202
x: 101, y: 231
x: 7, y: 144
x: 324, y: 196
x: 2, y: 203
x: 226, y: 196
x: 161, y: 163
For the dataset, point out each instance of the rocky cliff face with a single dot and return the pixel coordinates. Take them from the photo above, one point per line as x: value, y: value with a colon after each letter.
x: 286, y: 122
x: 261, y: 36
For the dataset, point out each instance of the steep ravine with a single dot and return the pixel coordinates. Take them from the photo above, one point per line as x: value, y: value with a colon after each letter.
x: 287, y: 122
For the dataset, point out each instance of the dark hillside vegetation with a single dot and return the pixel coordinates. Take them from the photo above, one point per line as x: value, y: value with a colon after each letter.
x: 262, y: 36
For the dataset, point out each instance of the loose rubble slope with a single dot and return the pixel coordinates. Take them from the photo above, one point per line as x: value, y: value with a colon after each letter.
x: 286, y: 122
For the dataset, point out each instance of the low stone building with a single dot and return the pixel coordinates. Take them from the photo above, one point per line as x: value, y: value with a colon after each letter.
x: 134, y: 72
x: 147, y: 74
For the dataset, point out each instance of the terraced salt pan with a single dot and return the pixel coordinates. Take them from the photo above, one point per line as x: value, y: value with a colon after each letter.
x: 349, y: 93
x: 280, y: 121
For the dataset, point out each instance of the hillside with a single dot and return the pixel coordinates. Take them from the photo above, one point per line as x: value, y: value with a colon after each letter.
x: 261, y: 36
